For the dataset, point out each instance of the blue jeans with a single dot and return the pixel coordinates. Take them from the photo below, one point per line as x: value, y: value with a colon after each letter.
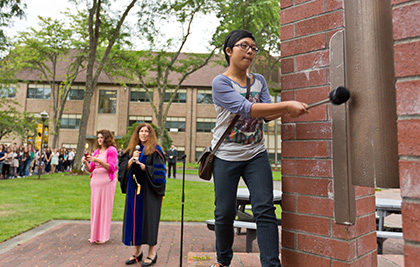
x: 258, y: 177
x: 27, y: 166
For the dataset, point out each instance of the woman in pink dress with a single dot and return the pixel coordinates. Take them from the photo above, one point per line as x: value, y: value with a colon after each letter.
x: 103, y: 167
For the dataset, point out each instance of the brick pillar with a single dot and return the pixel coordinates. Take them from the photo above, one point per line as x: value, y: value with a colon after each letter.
x: 310, y: 236
x: 406, y: 30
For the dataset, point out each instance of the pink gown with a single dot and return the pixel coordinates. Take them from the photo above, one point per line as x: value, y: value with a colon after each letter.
x: 102, y: 200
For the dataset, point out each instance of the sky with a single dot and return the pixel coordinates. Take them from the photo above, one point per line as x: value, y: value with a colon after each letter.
x: 201, y: 30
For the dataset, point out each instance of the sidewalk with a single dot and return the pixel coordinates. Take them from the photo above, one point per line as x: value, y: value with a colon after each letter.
x: 64, y: 243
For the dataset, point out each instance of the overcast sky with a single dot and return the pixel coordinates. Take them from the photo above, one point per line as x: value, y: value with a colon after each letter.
x: 201, y: 30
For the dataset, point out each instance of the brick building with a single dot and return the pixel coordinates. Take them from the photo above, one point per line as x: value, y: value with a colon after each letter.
x: 190, y: 119
x: 310, y: 234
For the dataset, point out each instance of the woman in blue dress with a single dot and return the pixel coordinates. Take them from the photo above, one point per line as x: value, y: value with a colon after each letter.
x: 142, y: 172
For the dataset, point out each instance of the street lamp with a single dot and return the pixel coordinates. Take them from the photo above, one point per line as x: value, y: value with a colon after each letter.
x: 44, y: 117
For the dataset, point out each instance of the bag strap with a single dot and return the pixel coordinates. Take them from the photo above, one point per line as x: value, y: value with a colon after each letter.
x: 235, y: 119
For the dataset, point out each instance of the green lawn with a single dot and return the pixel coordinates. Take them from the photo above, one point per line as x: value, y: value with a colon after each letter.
x: 28, y: 202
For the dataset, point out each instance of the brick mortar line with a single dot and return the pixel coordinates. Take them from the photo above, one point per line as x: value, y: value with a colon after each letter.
x: 324, y: 217
x: 338, y: 28
x: 409, y: 158
x: 330, y: 257
x: 411, y: 200
x: 331, y: 237
x: 412, y: 243
x: 408, y: 78
x: 408, y: 117
x: 307, y: 252
x: 303, y: 54
x: 308, y: 70
x: 306, y: 176
x: 408, y: 40
x: 405, y: 4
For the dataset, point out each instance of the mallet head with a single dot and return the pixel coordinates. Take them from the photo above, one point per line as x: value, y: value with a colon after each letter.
x: 339, y: 95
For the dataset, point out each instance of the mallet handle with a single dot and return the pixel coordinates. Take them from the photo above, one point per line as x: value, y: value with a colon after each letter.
x: 318, y: 103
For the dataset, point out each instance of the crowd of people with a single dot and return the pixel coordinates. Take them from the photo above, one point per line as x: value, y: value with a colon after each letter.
x: 21, y: 161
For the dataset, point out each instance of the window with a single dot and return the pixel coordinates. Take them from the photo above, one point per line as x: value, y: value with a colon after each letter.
x: 39, y: 91
x: 204, y: 97
x: 198, y: 151
x: 70, y: 121
x: 140, y: 95
x: 139, y: 119
x: 76, y: 93
x: 205, y: 125
x: 180, y: 97
x: 107, y: 101
x: 175, y: 124
x: 8, y: 92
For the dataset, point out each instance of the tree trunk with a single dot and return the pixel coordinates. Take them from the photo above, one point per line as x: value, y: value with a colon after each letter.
x: 83, y: 126
x: 91, y: 78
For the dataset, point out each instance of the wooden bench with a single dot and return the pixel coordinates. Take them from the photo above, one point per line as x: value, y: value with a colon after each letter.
x: 381, y: 236
x: 251, y: 231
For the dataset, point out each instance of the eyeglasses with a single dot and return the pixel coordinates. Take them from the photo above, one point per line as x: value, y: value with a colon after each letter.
x: 246, y: 46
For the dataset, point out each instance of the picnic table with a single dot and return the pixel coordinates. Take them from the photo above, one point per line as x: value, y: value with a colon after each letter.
x: 385, y: 207
x: 246, y: 220
x: 242, y: 200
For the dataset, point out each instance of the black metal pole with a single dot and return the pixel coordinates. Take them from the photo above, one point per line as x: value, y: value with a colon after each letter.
x: 182, y: 208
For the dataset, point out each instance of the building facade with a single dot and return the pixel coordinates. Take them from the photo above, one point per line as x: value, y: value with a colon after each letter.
x: 190, y: 119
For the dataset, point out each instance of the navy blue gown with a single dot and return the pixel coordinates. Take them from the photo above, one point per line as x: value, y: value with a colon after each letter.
x: 142, y: 211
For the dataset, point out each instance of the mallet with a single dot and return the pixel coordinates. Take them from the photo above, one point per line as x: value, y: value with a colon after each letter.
x: 337, y: 96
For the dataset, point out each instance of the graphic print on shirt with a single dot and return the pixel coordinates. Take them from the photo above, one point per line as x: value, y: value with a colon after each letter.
x: 247, y: 130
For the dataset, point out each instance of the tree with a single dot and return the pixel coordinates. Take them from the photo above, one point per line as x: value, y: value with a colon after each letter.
x: 9, y: 116
x: 151, y: 68
x: 8, y: 10
x: 98, y: 38
x: 43, y: 51
x: 262, y: 18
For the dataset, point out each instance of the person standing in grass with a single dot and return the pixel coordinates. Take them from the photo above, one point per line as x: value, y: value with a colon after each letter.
x: 172, y: 156
x: 3, y: 155
x: 15, y: 162
x: 54, y: 160
x: 103, y: 167
x: 48, y: 160
x: 24, y: 161
x: 29, y: 160
x: 7, y: 164
x: 243, y: 153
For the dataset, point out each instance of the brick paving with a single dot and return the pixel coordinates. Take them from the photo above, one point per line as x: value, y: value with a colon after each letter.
x: 65, y: 243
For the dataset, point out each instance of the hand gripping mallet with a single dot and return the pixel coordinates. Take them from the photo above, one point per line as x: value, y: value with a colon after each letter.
x: 337, y: 96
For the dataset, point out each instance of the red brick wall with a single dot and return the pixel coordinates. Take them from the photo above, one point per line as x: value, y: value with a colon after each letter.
x: 310, y: 236
x: 406, y: 31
